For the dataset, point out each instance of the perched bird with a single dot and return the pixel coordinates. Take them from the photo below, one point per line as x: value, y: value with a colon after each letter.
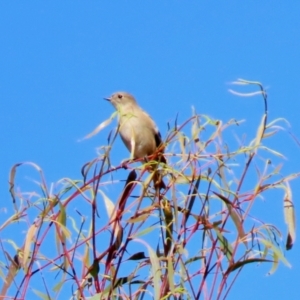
x: 137, y: 129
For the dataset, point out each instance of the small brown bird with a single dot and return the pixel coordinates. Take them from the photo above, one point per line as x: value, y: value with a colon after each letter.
x: 137, y: 129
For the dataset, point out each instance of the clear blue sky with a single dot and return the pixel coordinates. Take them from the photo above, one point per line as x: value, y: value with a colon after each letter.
x: 58, y: 59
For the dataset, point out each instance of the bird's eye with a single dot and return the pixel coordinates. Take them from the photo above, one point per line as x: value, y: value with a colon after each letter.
x: 120, y: 96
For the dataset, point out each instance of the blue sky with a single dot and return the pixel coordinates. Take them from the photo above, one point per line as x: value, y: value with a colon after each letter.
x: 59, y: 59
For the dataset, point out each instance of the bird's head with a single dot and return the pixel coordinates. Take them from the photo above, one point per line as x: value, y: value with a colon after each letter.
x: 121, y: 99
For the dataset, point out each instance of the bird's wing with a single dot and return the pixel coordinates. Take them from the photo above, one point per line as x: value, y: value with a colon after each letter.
x: 153, y: 127
x: 157, y: 136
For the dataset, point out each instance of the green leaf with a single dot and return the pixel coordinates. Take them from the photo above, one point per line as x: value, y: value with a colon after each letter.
x: 224, y: 244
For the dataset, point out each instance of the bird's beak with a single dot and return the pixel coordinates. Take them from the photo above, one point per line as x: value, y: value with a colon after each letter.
x: 107, y: 99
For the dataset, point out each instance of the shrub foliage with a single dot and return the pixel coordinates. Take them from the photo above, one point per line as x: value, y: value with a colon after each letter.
x: 114, y: 234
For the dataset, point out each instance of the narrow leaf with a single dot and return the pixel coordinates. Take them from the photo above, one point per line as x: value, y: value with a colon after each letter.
x: 99, y: 127
x: 224, y: 244
x: 137, y: 256
x: 289, y: 216
x: 30, y: 238
x: 260, y: 131
x: 240, y: 264
x: 235, y: 218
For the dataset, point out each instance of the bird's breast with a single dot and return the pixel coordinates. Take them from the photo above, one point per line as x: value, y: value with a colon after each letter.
x: 137, y: 136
